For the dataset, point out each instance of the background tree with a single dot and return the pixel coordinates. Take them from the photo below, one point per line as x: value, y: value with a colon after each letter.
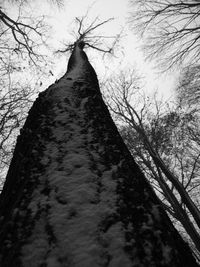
x: 15, y: 102
x: 21, y: 58
x: 187, y: 91
x: 160, y: 140
x: 170, y: 29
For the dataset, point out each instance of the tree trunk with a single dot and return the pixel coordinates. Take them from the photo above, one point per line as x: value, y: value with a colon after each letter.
x: 73, y: 195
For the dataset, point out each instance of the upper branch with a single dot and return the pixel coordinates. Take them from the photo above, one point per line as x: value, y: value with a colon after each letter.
x: 26, y: 37
x: 87, y: 34
x: 170, y: 30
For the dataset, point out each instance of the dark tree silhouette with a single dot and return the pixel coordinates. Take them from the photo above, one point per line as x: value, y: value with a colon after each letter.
x: 170, y: 29
x: 73, y: 195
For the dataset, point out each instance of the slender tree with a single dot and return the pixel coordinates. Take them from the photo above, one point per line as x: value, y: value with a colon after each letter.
x: 164, y: 147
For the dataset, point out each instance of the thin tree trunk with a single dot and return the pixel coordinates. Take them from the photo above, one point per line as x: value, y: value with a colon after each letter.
x: 74, y: 196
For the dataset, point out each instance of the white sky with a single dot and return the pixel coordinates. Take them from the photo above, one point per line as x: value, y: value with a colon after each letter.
x: 128, y: 54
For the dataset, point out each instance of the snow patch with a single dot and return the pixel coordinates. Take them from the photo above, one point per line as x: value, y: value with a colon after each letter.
x: 78, y: 69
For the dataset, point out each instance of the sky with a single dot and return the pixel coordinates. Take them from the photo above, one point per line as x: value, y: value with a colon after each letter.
x: 127, y: 54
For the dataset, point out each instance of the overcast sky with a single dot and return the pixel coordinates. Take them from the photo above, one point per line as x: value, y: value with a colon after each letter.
x: 127, y: 54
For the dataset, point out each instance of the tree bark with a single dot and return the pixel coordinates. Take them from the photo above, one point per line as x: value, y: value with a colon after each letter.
x: 73, y: 195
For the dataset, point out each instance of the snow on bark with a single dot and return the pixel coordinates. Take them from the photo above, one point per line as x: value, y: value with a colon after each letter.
x: 73, y: 195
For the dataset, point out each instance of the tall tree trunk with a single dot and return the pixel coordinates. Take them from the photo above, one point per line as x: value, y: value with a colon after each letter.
x: 73, y: 195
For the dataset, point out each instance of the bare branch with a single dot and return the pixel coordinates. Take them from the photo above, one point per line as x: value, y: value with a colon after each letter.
x: 171, y: 30
x: 21, y: 34
x: 151, y: 140
x: 87, y: 34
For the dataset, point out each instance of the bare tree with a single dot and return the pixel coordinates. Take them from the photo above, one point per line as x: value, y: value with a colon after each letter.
x: 22, y: 37
x: 86, y: 31
x: 74, y: 195
x: 57, y: 2
x: 188, y: 92
x: 160, y: 144
x: 16, y: 99
x: 171, y: 30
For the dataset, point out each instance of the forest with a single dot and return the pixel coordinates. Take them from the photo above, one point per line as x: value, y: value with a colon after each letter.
x: 162, y: 135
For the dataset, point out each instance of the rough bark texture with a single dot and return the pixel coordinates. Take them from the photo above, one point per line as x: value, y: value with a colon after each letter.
x: 74, y: 196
